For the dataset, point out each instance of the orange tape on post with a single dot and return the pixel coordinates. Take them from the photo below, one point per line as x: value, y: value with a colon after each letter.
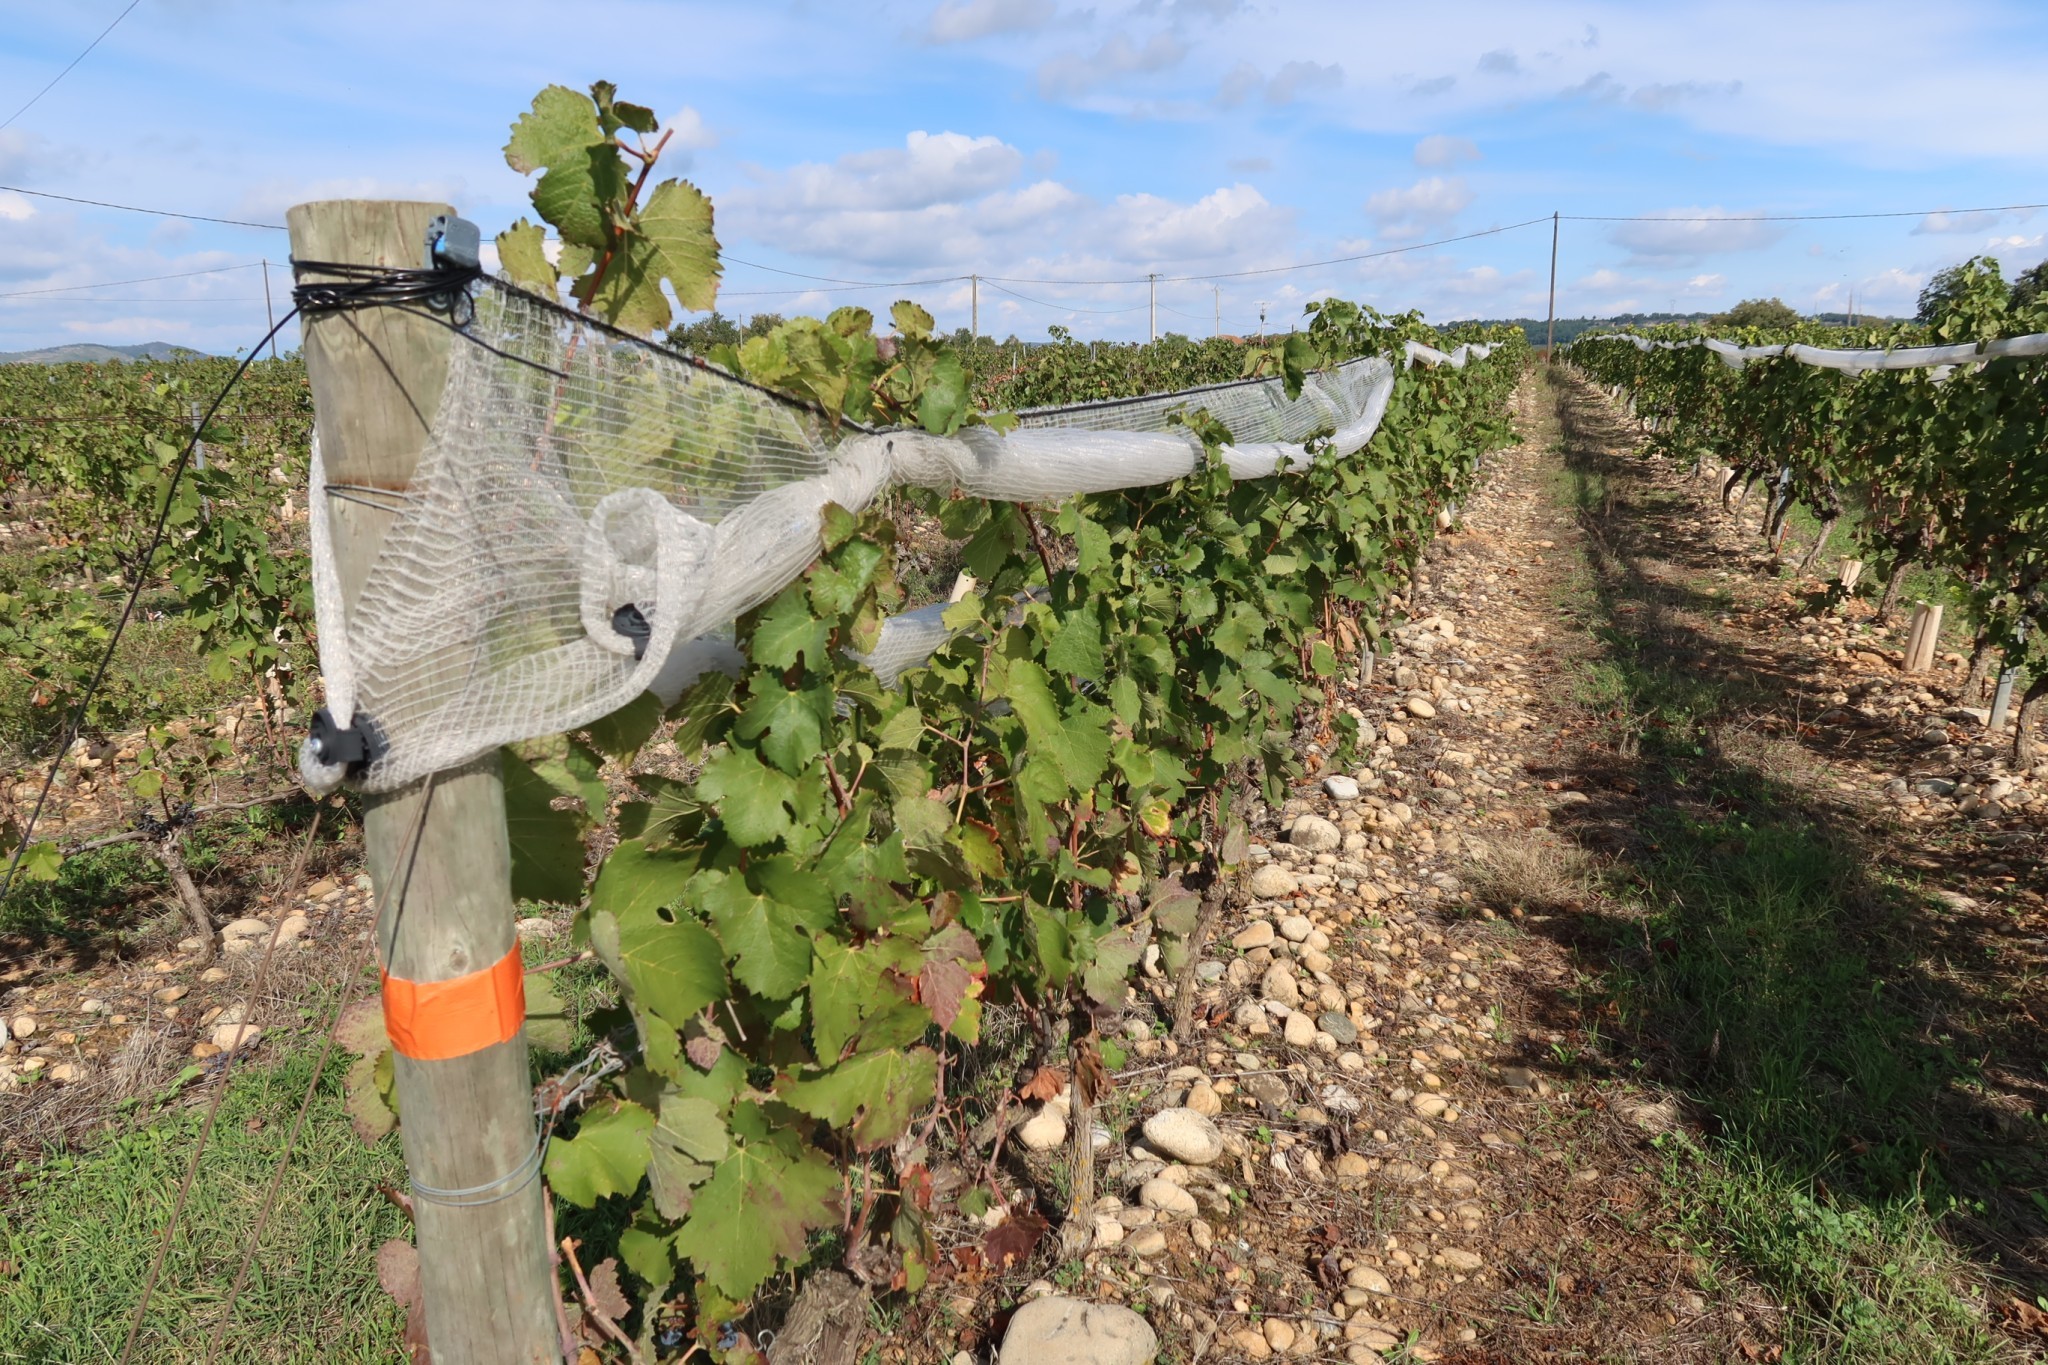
x: 434, y: 1021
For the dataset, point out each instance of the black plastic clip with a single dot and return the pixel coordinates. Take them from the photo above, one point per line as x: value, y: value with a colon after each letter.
x: 353, y: 748
x: 632, y: 623
x: 454, y: 243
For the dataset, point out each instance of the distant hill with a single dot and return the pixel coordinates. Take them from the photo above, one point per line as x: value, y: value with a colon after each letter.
x: 86, y: 353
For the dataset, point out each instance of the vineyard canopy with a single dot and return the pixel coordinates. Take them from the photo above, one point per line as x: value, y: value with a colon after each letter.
x: 590, y: 512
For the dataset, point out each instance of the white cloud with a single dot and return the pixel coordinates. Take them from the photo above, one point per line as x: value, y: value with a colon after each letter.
x: 1299, y: 78
x: 1435, y: 85
x: 1441, y: 149
x: 2016, y: 242
x: 1938, y: 223
x: 16, y: 208
x: 1069, y: 75
x: 1230, y: 221
x: 1687, y: 233
x: 1706, y: 284
x: 1500, y: 62
x: 929, y: 168
x: 1411, y: 212
x: 687, y: 131
x: 267, y: 200
x: 970, y: 19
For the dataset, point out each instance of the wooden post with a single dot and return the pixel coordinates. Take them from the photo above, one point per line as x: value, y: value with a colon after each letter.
x: 1921, y: 638
x: 1852, y: 569
x: 437, y: 850
x: 1550, y: 326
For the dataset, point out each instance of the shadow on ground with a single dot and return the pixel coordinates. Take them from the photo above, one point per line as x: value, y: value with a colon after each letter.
x: 1864, y: 1057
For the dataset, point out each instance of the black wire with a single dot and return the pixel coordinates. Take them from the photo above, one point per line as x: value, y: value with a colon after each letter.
x: 156, y: 540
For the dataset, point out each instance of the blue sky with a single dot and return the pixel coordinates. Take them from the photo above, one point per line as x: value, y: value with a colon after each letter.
x: 1048, y: 140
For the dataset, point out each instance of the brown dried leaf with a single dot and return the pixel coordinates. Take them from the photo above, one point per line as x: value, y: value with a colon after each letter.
x: 360, y: 1028
x: 398, y: 1270
x: 2021, y: 1316
x: 1090, y: 1072
x: 1047, y: 1084
x: 605, y: 1294
x: 703, y: 1051
x: 1012, y: 1242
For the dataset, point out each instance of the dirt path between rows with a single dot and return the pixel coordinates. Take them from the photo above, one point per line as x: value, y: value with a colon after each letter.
x: 1653, y: 998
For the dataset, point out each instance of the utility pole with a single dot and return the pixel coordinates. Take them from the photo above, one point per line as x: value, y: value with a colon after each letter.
x: 974, y: 294
x: 1217, y: 290
x: 1152, y: 282
x: 438, y: 851
x: 1550, y: 328
x: 269, y: 316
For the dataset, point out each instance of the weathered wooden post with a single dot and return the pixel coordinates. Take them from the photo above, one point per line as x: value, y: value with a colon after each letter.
x: 437, y: 850
x: 1921, y: 638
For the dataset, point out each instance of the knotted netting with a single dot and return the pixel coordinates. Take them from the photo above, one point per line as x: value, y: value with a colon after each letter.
x: 590, y: 513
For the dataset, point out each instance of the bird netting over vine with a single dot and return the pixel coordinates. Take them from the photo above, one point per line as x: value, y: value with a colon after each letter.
x: 591, y: 513
x: 1851, y: 361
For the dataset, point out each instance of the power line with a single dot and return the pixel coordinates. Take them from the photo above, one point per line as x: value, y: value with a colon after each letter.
x: 142, y: 279
x: 1281, y: 269
x: 1063, y: 307
x: 1786, y: 217
x: 67, y: 70
x: 154, y: 213
x: 828, y: 279
x: 103, y: 298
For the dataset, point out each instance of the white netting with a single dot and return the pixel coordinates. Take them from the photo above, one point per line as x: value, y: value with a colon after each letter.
x: 590, y: 513
x: 1852, y: 362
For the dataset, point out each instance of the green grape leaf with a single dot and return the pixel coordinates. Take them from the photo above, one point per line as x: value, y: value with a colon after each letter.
x: 561, y: 124
x: 753, y: 799
x: 912, y: 322
x: 621, y: 734
x: 845, y: 984
x: 522, y: 255
x: 876, y: 1092
x: 771, y: 952
x: 757, y: 1209
x: 645, y: 1252
x: 547, y: 844
x: 674, y: 969
x: 689, y: 1140
x: 637, y: 880
x: 789, y: 725
x: 1077, y: 647
x: 945, y: 402
x: 788, y: 629
x: 1078, y: 746
x: 548, y: 1024
x: 607, y: 1156
x: 676, y: 222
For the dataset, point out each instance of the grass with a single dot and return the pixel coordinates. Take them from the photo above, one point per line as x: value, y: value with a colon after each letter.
x: 82, y: 1228
x: 1762, y: 963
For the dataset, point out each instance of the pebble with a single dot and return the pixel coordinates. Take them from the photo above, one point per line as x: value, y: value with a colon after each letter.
x: 1339, y: 1027
x: 1271, y: 881
x: 1419, y: 707
x: 1278, y: 984
x: 1185, y: 1135
x: 24, y: 1026
x: 1299, y: 1030
x: 1044, y: 1130
x: 1366, y: 1278
x: 1456, y: 1258
x: 1145, y: 1242
x: 1166, y: 1197
x: 1055, y: 1330
x: 1314, y: 833
x: 1203, y: 1099
x: 1280, y: 1334
x: 228, y: 1037
x: 1341, y: 788
x: 1257, y: 934
x: 1297, y: 928
x: 1251, y: 1344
